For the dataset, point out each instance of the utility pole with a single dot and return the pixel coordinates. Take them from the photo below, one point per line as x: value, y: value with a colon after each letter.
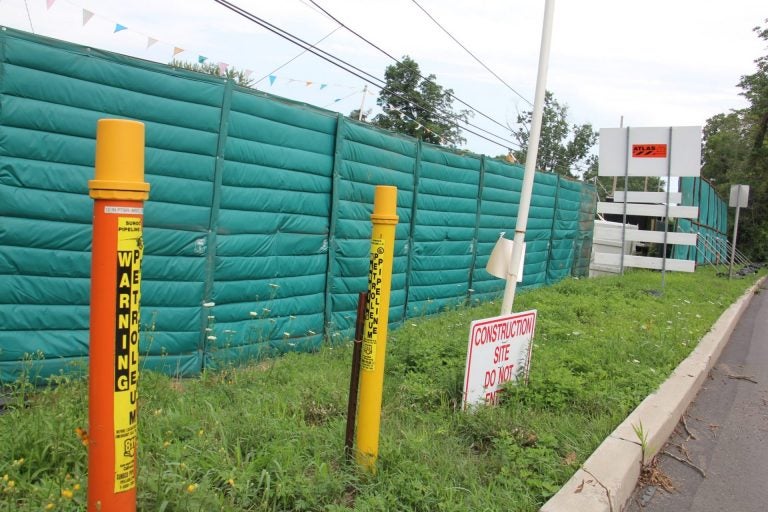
x: 362, y: 103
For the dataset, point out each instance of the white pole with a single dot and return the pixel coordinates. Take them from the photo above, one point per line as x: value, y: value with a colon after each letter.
x: 735, y: 233
x: 530, y: 159
x: 362, y: 103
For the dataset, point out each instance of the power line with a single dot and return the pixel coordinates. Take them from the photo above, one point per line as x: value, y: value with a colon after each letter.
x: 336, y: 61
x: 470, y: 53
x: 398, y: 61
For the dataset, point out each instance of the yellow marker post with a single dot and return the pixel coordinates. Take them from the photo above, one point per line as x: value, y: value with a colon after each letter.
x: 384, y: 220
x: 119, y: 192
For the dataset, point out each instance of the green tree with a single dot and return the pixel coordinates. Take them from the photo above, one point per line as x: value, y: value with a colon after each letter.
x: 564, y: 148
x: 418, y: 106
x: 238, y: 76
x: 736, y: 152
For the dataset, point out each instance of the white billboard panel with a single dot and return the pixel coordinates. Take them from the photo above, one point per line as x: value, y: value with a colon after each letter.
x: 645, y: 262
x: 649, y: 210
x: 657, y: 237
x: 647, y: 197
x: 648, y: 151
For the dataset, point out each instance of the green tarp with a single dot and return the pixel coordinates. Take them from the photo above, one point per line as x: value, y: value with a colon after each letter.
x: 711, y: 225
x: 257, y: 229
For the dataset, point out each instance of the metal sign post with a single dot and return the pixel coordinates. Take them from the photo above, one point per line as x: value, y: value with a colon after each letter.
x: 666, y: 214
x: 739, y: 198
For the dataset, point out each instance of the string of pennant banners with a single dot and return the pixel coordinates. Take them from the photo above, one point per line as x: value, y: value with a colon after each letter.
x: 223, y: 67
x: 88, y: 15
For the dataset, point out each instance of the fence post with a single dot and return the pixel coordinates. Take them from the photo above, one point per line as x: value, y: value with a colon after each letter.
x: 119, y: 192
x: 412, y: 227
x: 473, y: 262
x: 332, y: 219
x: 547, y: 279
x: 213, y: 223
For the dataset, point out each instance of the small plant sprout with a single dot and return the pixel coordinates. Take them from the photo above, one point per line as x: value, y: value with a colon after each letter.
x: 642, y: 436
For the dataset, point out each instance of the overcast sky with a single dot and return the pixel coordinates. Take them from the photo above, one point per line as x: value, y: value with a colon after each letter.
x: 657, y: 62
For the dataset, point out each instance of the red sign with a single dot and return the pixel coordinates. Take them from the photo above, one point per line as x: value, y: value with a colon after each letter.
x: 649, y: 151
x: 499, y: 351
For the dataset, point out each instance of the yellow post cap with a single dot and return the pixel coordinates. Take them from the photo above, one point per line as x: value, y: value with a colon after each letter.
x: 119, y: 161
x: 385, y: 205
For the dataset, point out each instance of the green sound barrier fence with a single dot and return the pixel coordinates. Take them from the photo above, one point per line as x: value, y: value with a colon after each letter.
x: 258, y: 224
x: 711, y: 224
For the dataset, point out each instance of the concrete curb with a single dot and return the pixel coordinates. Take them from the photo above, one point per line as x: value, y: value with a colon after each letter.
x: 608, y: 477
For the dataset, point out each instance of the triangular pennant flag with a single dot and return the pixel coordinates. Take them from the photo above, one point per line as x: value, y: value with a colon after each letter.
x: 87, y: 15
x: 337, y: 100
x: 309, y: 83
x: 323, y: 86
x: 119, y: 27
x: 177, y: 50
x: 201, y: 59
x: 272, y: 79
x: 151, y: 41
x: 248, y: 73
x: 49, y: 3
x: 291, y: 80
x: 223, y: 68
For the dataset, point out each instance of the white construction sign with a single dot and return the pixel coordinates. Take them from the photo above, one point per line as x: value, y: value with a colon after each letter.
x: 649, y: 151
x: 659, y: 152
x: 499, y: 351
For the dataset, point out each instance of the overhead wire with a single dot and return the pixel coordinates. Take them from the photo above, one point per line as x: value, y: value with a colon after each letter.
x: 374, y: 45
x: 469, y: 52
x: 349, y: 68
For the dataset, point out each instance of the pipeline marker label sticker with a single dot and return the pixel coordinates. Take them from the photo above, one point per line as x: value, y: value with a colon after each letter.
x: 371, y: 327
x: 124, y: 210
x: 649, y: 151
x: 130, y: 250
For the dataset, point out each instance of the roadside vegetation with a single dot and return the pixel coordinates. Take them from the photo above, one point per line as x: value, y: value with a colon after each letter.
x: 269, y: 437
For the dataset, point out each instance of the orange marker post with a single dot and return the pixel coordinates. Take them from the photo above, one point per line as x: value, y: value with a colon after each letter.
x: 119, y: 192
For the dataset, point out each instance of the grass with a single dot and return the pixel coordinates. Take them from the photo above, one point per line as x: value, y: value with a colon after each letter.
x: 270, y: 436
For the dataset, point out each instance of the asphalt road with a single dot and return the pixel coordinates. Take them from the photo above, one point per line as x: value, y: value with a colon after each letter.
x: 725, y: 433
